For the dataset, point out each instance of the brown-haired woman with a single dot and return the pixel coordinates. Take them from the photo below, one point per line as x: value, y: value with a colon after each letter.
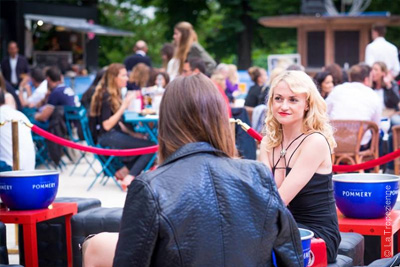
x: 139, y: 77
x: 259, y: 89
x: 108, y: 108
x: 187, y: 47
x: 201, y: 207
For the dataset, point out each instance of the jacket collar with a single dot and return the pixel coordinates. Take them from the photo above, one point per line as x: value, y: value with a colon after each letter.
x: 192, y: 148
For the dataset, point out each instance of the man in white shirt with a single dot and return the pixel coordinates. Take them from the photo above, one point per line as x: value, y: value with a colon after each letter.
x: 355, y: 100
x: 382, y: 50
x: 26, y: 146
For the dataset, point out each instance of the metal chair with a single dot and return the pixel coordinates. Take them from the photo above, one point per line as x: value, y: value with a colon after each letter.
x: 109, y: 165
x: 348, y: 135
x: 73, y: 116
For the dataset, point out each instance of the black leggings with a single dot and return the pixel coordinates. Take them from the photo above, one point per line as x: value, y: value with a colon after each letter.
x: 119, y: 140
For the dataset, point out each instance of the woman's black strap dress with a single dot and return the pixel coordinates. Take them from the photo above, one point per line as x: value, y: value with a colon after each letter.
x: 314, y: 208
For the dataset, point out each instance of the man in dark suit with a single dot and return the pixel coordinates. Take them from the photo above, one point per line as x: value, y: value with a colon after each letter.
x: 14, y: 65
x: 140, y: 50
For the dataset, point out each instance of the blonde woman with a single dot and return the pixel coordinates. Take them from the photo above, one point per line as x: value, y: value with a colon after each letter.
x: 232, y: 80
x: 187, y: 47
x: 139, y: 77
x: 297, y: 147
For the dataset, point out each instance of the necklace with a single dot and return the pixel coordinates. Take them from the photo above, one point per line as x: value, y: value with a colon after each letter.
x: 283, y: 150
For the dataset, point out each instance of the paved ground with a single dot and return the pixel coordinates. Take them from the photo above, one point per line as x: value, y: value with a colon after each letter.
x: 76, y: 186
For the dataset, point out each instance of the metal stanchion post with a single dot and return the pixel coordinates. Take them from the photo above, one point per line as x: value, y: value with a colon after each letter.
x: 15, y: 145
x: 15, y: 150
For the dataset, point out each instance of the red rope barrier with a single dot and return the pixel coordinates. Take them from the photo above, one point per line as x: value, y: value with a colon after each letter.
x: 96, y: 150
x: 153, y: 149
x: 340, y: 168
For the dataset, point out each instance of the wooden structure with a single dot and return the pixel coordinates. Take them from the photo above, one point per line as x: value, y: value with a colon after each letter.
x: 323, y: 40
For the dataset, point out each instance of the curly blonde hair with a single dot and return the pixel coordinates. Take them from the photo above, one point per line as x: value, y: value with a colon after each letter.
x: 315, y: 118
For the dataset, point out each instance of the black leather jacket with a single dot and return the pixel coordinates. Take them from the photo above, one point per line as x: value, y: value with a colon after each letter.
x: 201, y: 208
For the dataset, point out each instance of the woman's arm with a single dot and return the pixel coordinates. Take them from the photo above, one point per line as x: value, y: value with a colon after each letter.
x: 139, y: 227
x: 264, y: 154
x: 314, y: 157
x: 113, y: 120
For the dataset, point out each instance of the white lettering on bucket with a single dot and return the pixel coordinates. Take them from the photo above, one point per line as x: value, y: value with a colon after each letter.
x: 5, y: 187
x: 356, y: 194
x: 43, y: 186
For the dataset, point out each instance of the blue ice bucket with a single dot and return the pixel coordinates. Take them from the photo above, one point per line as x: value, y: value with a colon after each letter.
x: 365, y: 195
x: 306, y: 236
x: 28, y: 190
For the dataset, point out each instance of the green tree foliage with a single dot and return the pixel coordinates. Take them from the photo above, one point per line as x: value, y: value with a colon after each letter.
x: 220, y: 25
x: 124, y: 16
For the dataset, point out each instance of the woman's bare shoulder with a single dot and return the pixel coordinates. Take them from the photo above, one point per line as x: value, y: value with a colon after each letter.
x: 316, y: 141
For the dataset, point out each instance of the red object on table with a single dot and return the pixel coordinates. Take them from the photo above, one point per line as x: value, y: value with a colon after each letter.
x: 318, y: 256
x: 384, y: 227
x: 28, y: 220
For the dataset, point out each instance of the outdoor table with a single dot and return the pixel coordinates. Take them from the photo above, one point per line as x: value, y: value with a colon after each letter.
x: 28, y: 220
x: 384, y: 227
x: 135, y: 118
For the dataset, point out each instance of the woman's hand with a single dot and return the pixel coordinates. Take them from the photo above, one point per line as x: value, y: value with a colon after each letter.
x: 387, y: 80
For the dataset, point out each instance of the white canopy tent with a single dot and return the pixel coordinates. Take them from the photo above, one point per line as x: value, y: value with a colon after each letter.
x: 78, y: 25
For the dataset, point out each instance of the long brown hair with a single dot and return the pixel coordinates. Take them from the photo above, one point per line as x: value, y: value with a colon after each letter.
x: 193, y: 110
x: 188, y: 37
x: 107, y: 84
x: 384, y: 69
x: 140, y: 75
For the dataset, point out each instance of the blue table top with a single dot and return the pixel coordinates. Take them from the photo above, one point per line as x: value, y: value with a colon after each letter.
x: 134, y: 117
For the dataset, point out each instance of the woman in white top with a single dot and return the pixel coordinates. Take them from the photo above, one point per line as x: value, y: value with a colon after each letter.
x: 186, y: 47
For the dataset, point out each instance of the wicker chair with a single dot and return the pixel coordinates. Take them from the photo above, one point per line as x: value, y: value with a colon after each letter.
x: 348, y: 135
x: 396, y: 145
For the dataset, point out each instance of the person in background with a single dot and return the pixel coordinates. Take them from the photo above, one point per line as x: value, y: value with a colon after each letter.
x: 87, y: 96
x: 39, y: 82
x: 26, y: 146
x: 355, y: 100
x: 219, y: 81
x: 159, y: 79
x: 139, y: 56
x: 108, y: 107
x: 58, y: 95
x: 191, y: 210
x: 139, y: 77
x: 296, y: 126
x: 187, y: 47
x: 14, y: 66
x: 258, y: 91
x: 387, y: 91
x: 324, y: 83
x: 339, y: 76
x: 382, y: 50
x: 194, y: 66
x: 232, y: 81
x: 167, y: 52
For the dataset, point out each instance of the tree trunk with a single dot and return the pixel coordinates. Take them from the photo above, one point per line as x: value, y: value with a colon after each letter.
x: 245, y: 38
